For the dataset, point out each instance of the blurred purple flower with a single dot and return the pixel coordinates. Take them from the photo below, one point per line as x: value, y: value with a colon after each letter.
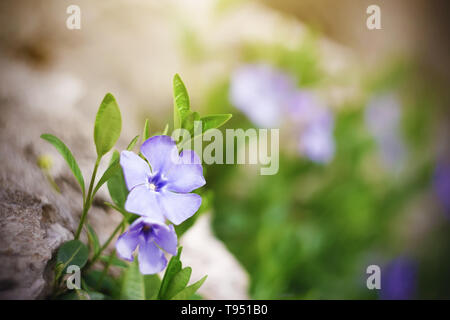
x: 162, y: 191
x: 260, y: 92
x: 317, y: 141
x: 382, y: 117
x: 441, y: 184
x: 398, y: 280
x: 150, y: 237
x: 316, y: 138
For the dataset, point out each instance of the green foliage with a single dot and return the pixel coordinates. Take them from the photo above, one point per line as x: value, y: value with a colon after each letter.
x: 97, y: 280
x: 93, y: 239
x: 181, y: 102
x: 72, y: 252
x: 113, y: 170
x: 146, y: 132
x: 176, y: 278
x: 67, y: 155
x: 214, y: 121
x: 189, y: 292
x: 108, y: 124
x: 133, y: 287
x: 178, y: 282
x: 132, y: 143
x: 152, y: 284
x: 116, y: 183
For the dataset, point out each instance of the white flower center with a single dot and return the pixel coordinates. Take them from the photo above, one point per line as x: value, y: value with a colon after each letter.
x: 152, y: 186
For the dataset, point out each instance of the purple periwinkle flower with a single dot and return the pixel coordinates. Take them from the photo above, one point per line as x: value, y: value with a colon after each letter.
x: 316, y: 125
x: 317, y: 141
x: 398, y: 279
x: 261, y: 92
x: 162, y: 190
x: 149, y: 236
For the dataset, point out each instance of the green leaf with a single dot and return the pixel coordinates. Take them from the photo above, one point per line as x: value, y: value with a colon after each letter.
x: 116, y: 184
x: 152, y: 284
x: 112, y: 170
x: 73, y: 252
x: 189, y: 121
x: 146, y: 133
x: 188, y: 292
x: 181, y: 101
x: 108, y: 124
x: 178, y: 282
x: 93, y: 238
x: 132, y: 283
x: 173, y: 268
x: 67, y: 155
x: 132, y: 143
x: 214, y: 121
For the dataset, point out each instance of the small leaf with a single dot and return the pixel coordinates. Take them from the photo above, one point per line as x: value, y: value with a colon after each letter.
x: 181, y: 101
x: 146, y: 133
x: 214, y: 121
x: 73, y: 252
x: 173, y: 268
x: 188, y: 292
x: 108, y: 124
x: 93, y: 238
x: 132, y: 143
x: 152, y: 284
x: 178, y: 282
x: 67, y: 155
x: 132, y: 283
x: 116, y: 184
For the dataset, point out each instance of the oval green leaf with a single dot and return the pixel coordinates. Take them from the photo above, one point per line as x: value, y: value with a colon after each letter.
x: 108, y: 124
x: 72, y: 252
x: 116, y: 183
x: 181, y: 101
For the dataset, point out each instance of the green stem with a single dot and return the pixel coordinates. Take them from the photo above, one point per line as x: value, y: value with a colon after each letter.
x: 87, y: 203
x: 106, y: 244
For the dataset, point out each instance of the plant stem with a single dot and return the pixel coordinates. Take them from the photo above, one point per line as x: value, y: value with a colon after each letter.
x: 106, y: 244
x: 87, y: 203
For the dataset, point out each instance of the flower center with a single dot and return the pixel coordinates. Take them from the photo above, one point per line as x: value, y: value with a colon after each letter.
x: 146, y: 228
x: 156, y: 182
